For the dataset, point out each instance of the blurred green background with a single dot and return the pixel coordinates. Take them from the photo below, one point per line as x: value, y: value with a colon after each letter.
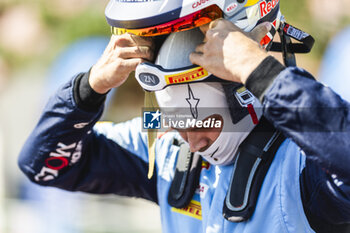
x: 32, y: 34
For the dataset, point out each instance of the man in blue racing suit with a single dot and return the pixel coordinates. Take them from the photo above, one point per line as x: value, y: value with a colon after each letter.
x: 306, y: 186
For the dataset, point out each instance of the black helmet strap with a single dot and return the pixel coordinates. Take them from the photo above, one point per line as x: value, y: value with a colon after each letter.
x: 287, y: 47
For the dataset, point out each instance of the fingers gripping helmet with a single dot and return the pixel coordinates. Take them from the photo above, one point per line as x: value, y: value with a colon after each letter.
x: 158, y: 17
x: 161, y: 17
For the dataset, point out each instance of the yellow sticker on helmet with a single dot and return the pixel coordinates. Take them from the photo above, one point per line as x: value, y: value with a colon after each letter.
x: 251, y: 2
x: 187, y: 76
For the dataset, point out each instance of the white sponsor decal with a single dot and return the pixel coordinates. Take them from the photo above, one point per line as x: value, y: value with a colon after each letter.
x: 46, y: 174
x: 296, y: 33
x: 267, y: 6
x: 59, y: 159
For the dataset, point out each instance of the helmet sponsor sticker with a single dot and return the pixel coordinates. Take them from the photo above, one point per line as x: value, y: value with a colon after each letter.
x: 267, y: 6
x: 250, y: 2
x: 187, y: 76
x: 149, y: 79
x: 231, y: 7
x: 194, y: 210
x: 199, y: 3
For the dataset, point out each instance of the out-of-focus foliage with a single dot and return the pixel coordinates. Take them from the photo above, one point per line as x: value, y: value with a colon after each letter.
x: 35, y: 30
x: 320, y: 18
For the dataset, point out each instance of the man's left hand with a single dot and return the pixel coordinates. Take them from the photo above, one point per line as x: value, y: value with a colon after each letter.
x: 228, y: 52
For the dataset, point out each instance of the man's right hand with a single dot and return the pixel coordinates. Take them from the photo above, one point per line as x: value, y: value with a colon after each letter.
x: 120, y: 58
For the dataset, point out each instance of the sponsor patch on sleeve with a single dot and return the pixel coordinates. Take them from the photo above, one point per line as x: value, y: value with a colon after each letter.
x: 63, y: 156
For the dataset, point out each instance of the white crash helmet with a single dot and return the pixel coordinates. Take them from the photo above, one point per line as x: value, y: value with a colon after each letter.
x: 180, y: 19
x: 158, y: 17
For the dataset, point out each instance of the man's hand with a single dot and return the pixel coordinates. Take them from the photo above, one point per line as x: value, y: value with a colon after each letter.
x: 120, y: 58
x: 228, y: 52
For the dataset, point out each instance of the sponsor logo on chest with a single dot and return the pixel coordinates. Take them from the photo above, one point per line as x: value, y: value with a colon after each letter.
x: 194, y: 210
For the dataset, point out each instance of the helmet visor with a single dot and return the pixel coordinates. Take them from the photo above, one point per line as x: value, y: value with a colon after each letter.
x: 193, y: 20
